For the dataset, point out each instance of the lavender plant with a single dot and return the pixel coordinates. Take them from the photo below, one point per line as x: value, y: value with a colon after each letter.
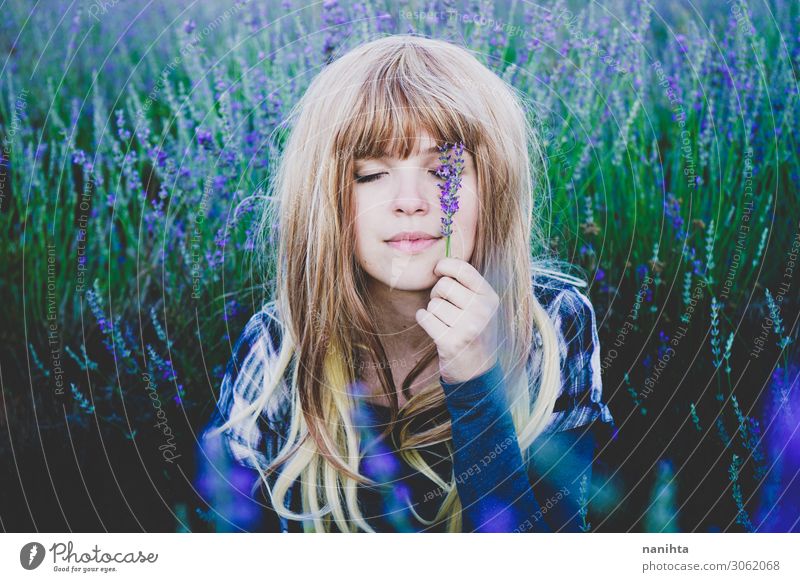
x: 452, y: 164
x: 734, y: 471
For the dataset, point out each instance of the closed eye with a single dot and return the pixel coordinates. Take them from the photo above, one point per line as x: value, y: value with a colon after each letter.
x: 372, y: 177
x: 369, y: 178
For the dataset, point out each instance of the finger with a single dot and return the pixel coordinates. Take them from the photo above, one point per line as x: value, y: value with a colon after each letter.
x: 432, y: 325
x: 445, y: 311
x: 464, y: 273
x: 454, y: 292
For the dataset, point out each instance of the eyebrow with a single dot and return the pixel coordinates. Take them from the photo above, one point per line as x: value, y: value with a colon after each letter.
x: 431, y: 150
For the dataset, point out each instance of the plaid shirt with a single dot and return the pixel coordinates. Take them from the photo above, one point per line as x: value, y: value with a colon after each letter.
x: 579, y: 401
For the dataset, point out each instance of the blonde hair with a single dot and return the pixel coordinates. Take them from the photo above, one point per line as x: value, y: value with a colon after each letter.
x: 373, y: 100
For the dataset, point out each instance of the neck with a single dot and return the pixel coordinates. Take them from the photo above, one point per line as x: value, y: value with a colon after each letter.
x: 395, y: 315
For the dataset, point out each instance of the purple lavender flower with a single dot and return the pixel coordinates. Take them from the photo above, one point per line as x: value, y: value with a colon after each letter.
x: 225, y: 485
x: 205, y: 139
x: 337, y: 27
x: 450, y: 171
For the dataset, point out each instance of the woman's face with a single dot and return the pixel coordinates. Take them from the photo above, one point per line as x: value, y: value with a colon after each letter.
x: 394, y: 196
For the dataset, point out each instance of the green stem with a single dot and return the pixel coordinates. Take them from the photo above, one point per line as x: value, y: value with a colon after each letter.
x: 447, y: 246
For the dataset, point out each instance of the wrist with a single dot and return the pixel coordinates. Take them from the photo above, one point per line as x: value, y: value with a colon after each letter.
x: 476, y: 388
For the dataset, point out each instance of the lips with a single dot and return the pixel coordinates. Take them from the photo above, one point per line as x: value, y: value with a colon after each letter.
x: 415, y: 235
x: 413, y: 246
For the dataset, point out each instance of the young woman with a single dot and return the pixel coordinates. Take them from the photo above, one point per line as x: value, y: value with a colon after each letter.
x: 387, y: 387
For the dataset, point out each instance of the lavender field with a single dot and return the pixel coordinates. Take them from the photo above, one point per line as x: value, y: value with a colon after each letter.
x: 137, y: 142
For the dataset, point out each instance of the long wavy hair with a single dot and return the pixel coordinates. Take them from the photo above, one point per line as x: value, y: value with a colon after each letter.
x: 374, y: 100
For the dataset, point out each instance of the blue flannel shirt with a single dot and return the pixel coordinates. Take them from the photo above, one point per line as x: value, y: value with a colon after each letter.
x: 579, y: 402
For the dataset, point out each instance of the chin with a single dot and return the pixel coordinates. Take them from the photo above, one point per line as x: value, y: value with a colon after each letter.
x: 408, y: 272
x: 403, y: 273
x: 417, y: 278
x: 409, y: 281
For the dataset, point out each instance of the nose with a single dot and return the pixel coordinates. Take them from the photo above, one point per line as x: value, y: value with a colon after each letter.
x: 411, y: 196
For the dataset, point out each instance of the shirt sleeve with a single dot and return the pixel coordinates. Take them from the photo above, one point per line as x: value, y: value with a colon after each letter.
x: 493, y: 482
x: 491, y: 478
x: 580, y: 399
x: 561, y: 463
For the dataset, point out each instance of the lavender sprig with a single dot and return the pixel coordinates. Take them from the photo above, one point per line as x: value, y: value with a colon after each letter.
x: 450, y: 172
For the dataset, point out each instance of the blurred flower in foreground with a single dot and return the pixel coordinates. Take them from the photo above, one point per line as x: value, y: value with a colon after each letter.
x: 779, y: 503
x: 662, y: 516
x: 225, y: 485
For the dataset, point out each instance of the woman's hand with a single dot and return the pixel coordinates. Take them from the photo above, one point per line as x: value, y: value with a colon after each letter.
x: 461, y: 320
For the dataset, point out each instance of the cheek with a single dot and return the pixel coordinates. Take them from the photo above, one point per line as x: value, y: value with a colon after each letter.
x: 359, y: 236
x: 361, y: 226
x: 469, y: 208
